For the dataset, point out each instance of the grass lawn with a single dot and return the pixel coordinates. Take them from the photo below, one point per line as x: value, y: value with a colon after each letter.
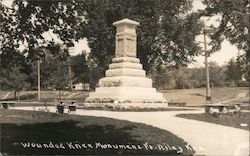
x: 228, y: 119
x: 192, y: 97
x: 196, y: 97
x: 42, y: 133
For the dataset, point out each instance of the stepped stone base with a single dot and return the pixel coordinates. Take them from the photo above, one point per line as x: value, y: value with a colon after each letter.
x: 126, y: 84
x: 125, y: 106
x: 125, y: 95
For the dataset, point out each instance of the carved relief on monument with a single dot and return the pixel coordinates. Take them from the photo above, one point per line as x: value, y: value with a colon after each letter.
x: 126, y: 45
x: 131, y: 45
x: 120, y: 46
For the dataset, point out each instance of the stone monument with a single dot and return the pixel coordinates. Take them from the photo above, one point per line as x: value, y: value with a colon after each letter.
x: 125, y: 83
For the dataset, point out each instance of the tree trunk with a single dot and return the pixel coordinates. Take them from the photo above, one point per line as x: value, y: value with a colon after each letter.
x: 59, y: 94
x: 18, y: 97
x: 15, y: 95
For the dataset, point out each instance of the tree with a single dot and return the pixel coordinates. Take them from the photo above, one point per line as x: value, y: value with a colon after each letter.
x: 33, y: 18
x: 244, y: 66
x: 14, y: 72
x: 233, y: 23
x: 217, y: 74
x: 80, y: 68
x: 233, y: 72
x: 167, y: 30
x: 198, y: 77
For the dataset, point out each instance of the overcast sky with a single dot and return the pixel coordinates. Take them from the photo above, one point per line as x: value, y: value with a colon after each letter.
x: 224, y: 55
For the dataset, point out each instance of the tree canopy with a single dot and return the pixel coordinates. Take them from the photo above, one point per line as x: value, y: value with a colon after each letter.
x: 233, y: 25
x: 233, y: 22
x: 166, y: 34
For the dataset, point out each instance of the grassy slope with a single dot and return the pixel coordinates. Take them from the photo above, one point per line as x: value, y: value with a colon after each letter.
x: 41, y: 127
x: 229, y: 119
x: 192, y: 97
x: 3, y: 93
x: 196, y: 97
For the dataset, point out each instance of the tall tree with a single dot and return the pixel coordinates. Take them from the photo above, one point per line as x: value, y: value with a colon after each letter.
x: 167, y: 28
x: 217, y: 74
x: 233, y: 72
x: 33, y: 18
x: 14, y: 71
x: 233, y: 23
x: 80, y: 68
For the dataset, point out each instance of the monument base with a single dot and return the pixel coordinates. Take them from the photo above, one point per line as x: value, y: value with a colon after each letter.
x: 125, y: 94
x: 125, y: 106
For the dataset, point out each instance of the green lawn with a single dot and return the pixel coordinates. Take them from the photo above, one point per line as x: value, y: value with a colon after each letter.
x: 196, y: 97
x: 192, y: 97
x: 41, y: 133
x: 228, y: 119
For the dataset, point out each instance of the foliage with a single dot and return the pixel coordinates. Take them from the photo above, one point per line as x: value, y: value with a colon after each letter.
x: 53, y: 66
x: 233, y: 22
x: 217, y: 74
x: 233, y: 72
x: 165, y: 33
x: 80, y: 69
x: 14, y: 71
x: 244, y: 66
x: 167, y: 30
x: 33, y: 18
x: 183, y: 78
x: 54, y: 69
x: 95, y: 73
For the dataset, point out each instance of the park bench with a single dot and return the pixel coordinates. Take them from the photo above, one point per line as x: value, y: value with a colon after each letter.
x: 7, y: 104
x: 61, y: 106
x: 222, y: 107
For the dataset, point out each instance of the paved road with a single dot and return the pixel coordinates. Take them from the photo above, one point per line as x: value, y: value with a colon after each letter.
x: 208, y: 139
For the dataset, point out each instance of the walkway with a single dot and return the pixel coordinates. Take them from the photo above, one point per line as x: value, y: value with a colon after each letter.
x: 209, y: 139
x: 6, y: 95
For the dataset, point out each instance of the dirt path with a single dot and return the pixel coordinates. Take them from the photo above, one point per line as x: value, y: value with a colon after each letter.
x: 239, y: 96
x: 6, y: 95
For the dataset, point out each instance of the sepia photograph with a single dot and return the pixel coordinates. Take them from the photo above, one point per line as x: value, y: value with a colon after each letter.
x: 124, y: 77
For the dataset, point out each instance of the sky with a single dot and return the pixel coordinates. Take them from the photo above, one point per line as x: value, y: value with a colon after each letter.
x: 227, y: 51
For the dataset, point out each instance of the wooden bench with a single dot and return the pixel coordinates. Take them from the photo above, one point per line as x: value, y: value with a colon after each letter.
x: 60, y: 107
x: 7, y: 104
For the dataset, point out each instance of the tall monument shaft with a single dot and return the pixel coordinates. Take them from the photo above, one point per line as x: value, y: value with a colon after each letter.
x: 125, y: 82
x: 125, y: 38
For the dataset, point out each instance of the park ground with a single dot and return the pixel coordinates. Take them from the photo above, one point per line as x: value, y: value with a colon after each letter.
x: 192, y: 97
x: 20, y: 129
x: 190, y: 130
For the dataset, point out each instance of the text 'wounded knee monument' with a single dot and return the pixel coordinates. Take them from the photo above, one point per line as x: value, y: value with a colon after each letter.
x: 125, y: 81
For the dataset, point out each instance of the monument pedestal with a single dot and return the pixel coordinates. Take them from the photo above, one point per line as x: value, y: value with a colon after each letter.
x: 125, y: 83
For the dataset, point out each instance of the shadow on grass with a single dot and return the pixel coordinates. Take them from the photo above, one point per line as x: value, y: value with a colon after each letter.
x: 69, y: 137
x: 197, y: 94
